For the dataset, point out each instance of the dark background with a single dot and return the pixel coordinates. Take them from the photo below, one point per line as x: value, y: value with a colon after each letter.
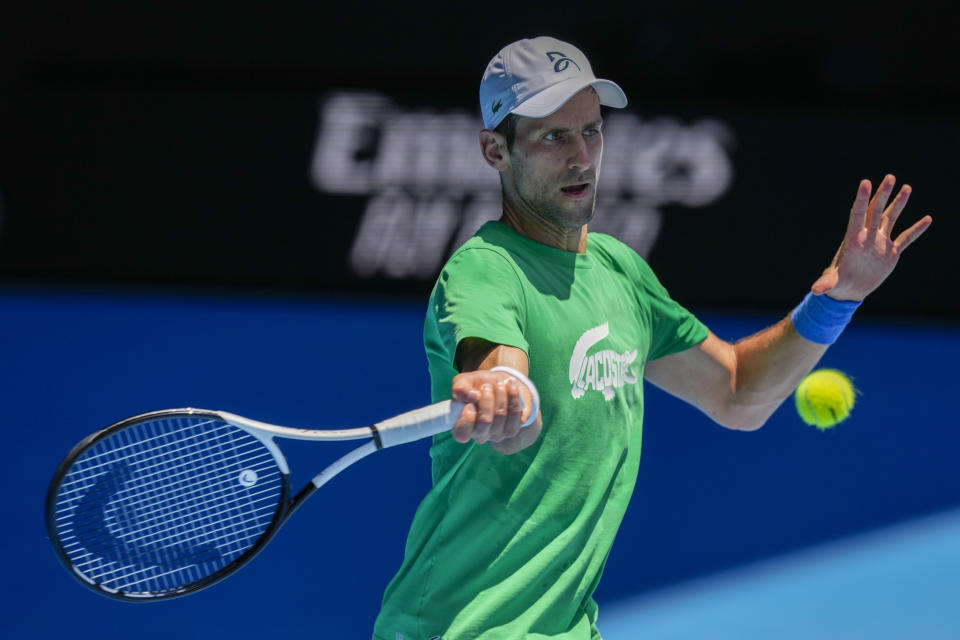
x: 170, y: 143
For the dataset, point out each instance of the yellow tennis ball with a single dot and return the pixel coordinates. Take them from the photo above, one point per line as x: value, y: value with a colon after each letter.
x: 825, y: 398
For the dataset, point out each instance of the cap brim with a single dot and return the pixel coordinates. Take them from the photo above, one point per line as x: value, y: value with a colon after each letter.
x: 552, y: 98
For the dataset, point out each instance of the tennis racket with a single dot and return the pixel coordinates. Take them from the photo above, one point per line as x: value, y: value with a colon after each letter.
x: 166, y: 503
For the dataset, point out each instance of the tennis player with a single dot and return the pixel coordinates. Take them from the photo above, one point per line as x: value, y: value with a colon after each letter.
x: 511, y: 540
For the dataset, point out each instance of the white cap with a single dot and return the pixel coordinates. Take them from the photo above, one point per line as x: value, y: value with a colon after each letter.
x: 535, y: 77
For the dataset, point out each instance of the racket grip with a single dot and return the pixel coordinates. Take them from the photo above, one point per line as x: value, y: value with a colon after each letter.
x: 419, y: 423
x: 442, y: 416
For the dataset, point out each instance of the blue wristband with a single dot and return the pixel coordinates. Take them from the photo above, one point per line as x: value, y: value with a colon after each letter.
x: 822, y: 319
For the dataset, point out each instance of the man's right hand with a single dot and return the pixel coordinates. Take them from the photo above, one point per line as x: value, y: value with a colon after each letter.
x: 493, y: 411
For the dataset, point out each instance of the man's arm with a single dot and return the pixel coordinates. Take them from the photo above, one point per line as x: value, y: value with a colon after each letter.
x: 493, y: 410
x: 740, y: 385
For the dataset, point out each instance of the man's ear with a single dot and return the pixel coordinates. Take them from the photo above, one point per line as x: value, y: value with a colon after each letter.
x: 493, y: 146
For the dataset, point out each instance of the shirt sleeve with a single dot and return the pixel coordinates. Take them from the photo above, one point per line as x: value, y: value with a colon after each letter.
x: 673, y: 327
x: 478, y: 295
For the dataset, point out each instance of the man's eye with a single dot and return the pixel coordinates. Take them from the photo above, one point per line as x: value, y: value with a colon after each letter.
x: 552, y: 135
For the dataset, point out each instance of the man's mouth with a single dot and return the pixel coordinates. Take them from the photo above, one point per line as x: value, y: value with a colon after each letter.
x: 576, y: 190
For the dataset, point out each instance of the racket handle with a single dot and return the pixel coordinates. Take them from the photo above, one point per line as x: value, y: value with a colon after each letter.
x: 442, y: 416
x: 419, y: 423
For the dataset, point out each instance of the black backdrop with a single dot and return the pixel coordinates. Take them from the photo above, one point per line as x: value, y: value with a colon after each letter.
x: 177, y: 143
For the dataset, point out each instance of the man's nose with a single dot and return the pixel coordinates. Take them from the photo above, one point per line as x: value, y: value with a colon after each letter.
x: 580, y: 156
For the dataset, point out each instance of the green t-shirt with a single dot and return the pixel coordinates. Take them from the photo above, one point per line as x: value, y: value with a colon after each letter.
x: 511, y: 547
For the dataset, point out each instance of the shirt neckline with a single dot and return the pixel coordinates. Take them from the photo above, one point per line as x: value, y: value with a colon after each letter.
x: 543, y: 251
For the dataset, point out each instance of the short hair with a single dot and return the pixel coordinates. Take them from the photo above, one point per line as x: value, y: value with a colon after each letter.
x: 508, y: 129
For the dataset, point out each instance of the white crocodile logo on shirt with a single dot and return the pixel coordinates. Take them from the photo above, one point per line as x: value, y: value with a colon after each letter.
x: 603, y: 371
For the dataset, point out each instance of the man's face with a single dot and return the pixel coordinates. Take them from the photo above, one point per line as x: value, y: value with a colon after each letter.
x: 555, y: 162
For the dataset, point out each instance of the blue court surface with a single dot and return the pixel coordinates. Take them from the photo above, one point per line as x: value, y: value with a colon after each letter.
x: 787, y: 532
x: 892, y: 583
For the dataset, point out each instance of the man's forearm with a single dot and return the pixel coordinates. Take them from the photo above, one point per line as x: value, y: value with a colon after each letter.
x: 769, y: 366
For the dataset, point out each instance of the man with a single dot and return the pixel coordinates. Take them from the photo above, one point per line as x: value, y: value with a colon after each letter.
x: 511, y: 540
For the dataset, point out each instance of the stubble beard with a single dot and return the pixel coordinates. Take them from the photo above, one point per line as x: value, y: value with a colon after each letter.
x: 542, y: 202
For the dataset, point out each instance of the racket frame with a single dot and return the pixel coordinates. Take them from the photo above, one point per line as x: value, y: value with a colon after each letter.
x: 263, y: 432
x: 406, y: 427
x: 285, y: 505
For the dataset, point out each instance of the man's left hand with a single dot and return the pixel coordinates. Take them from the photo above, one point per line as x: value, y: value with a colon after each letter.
x: 868, y: 252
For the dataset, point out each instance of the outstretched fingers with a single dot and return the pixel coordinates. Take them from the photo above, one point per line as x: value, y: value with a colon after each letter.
x: 892, y: 213
x: 882, y: 218
x: 879, y: 202
x: 874, y: 214
x: 906, y: 238
x: 858, y: 213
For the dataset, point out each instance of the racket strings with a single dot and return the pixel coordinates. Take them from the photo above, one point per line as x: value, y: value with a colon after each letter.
x: 174, y: 531
x: 182, y: 487
x: 181, y: 481
x: 147, y: 517
x: 230, y: 533
x: 181, y: 435
x: 126, y: 518
x: 165, y: 503
x: 209, y: 437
